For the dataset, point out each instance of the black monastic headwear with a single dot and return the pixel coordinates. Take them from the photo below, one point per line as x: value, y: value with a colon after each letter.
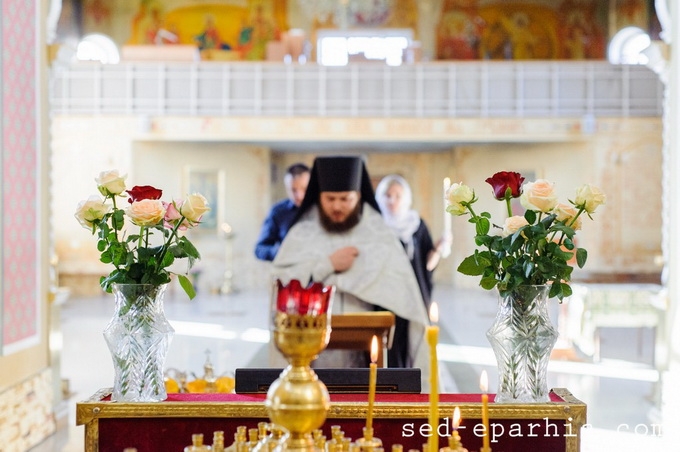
x: 341, y: 173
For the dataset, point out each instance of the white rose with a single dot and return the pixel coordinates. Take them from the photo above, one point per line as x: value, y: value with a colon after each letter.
x: 513, y: 224
x: 193, y: 207
x: 147, y: 212
x: 539, y: 196
x: 91, y: 210
x: 589, y: 197
x: 566, y: 214
x: 456, y: 195
x: 110, y: 183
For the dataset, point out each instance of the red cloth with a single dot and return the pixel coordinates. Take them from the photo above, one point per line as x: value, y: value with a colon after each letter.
x: 173, y: 434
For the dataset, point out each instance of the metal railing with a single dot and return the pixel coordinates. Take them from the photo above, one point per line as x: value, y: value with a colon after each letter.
x: 438, y: 89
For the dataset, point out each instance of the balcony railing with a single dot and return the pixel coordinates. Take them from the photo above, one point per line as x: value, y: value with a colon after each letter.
x: 438, y: 89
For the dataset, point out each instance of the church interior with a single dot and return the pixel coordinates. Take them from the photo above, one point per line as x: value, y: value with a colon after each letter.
x: 221, y: 96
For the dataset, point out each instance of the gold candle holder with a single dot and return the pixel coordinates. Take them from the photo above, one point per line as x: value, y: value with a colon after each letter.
x: 368, y: 442
x: 298, y: 401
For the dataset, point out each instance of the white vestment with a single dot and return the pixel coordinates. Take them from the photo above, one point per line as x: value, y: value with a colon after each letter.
x: 381, y: 274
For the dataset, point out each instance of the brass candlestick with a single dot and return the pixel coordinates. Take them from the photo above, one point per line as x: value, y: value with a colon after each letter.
x: 298, y: 401
x: 369, y: 442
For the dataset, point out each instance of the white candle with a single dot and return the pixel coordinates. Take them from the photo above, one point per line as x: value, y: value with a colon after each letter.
x: 447, y: 219
x: 447, y: 216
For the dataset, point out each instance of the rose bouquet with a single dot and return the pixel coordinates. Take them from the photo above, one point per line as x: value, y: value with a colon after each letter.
x: 141, y: 257
x: 531, y: 249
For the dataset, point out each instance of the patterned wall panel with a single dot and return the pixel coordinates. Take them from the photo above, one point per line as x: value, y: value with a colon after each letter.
x: 19, y: 221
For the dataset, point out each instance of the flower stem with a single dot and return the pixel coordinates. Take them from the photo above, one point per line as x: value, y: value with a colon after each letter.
x: 113, y: 217
x: 507, y: 203
x: 573, y: 220
x: 142, y: 229
x: 173, y: 234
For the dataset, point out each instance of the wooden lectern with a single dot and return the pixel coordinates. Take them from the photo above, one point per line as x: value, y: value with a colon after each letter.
x: 355, y: 330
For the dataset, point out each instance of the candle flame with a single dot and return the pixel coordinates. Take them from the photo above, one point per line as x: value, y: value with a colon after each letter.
x: 456, y: 418
x: 434, y: 313
x: 374, y: 349
x: 484, y: 382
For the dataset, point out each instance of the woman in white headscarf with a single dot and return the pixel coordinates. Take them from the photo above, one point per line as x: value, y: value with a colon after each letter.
x: 394, y: 198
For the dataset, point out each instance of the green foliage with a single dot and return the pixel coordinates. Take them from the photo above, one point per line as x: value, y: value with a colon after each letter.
x: 537, y: 253
x: 536, y: 248
x: 136, y: 259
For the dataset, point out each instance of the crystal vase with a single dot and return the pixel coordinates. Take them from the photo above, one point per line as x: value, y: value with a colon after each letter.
x: 138, y: 337
x: 522, y: 338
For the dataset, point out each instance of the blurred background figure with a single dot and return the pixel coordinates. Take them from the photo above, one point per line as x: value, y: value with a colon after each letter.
x: 282, y: 214
x: 394, y: 197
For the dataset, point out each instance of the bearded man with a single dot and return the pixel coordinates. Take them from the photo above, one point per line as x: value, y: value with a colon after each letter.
x: 340, y: 238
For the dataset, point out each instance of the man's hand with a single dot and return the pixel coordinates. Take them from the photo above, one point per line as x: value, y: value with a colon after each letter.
x: 343, y: 258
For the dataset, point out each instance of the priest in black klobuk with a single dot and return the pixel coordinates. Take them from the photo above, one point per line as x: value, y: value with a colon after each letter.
x: 340, y: 238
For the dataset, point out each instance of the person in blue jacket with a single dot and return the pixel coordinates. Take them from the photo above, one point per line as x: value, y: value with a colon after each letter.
x: 282, y: 214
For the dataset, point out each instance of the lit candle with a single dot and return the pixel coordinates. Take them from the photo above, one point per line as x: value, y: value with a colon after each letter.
x: 455, y: 443
x: 432, y: 335
x: 372, y: 381
x: 484, y: 386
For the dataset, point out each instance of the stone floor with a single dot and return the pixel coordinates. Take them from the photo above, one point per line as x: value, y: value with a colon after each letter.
x: 619, y: 389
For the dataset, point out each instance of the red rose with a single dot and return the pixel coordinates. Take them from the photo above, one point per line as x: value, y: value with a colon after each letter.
x: 505, y: 180
x: 140, y: 192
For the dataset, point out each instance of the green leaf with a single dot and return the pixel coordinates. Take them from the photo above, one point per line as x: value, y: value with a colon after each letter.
x: 168, y: 259
x: 189, y: 248
x: 554, y: 291
x: 488, y: 283
x: 118, y: 219
x: 471, y: 267
x: 187, y: 286
x: 548, y: 221
x: 483, y: 226
x: 566, y: 290
x: 581, y: 257
x: 530, y: 216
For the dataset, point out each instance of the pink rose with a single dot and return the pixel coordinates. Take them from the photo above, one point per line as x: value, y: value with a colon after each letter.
x: 147, y: 212
x: 539, y: 196
x: 566, y: 214
x: 513, y: 224
x: 172, y: 215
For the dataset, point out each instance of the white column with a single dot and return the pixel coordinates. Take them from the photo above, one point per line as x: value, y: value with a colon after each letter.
x: 671, y: 237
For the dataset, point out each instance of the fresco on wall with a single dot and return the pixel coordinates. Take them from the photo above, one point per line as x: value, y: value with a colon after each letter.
x: 540, y: 29
x: 220, y: 29
x: 362, y: 14
x: 631, y: 13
